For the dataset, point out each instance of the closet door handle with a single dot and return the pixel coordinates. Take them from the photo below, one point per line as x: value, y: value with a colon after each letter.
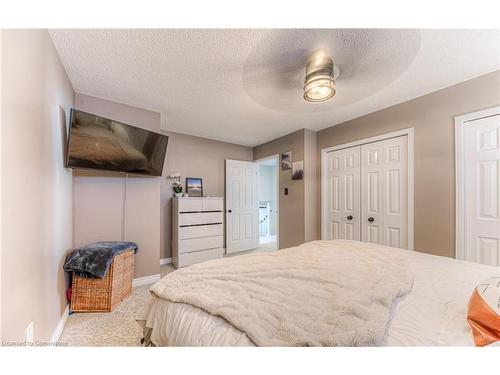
x: 349, y: 217
x: 371, y: 219
x: 229, y: 211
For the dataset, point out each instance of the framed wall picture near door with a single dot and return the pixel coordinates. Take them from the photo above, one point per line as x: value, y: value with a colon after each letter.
x: 194, y: 187
x: 286, y: 160
x: 297, y: 170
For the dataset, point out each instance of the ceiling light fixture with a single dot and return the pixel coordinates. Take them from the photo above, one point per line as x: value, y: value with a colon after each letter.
x: 319, y: 85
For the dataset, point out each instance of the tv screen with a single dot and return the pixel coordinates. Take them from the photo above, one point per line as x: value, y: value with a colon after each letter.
x: 96, y: 142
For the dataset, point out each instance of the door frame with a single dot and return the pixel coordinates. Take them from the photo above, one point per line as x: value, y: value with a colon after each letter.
x: 460, y: 198
x: 277, y: 158
x: 409, y: 132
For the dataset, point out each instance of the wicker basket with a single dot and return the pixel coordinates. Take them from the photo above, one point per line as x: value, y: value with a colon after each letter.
x: 103, y: 295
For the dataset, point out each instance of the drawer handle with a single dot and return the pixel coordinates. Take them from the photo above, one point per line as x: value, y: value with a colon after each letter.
x: 371, y: 219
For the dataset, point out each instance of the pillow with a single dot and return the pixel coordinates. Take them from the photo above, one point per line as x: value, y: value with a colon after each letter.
x: 484, y: 312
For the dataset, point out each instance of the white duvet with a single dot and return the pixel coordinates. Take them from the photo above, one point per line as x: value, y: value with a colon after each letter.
x: 433, y: 313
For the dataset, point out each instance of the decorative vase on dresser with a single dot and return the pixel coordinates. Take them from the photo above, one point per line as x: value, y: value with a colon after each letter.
x: 197, y: 230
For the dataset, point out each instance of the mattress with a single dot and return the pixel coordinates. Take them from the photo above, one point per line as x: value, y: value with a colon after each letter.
x: 432, y: 314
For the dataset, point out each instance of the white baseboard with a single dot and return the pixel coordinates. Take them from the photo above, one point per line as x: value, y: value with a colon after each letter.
x: 164, y: 261
x: 64, y: 318
x: 60, y: 326
x: 146, y: 280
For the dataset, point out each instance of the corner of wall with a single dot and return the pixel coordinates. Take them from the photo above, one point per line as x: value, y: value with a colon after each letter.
x: 36, y: 138
x: 111, y: 206
x: 1, y: 73
x: 297, y: 215
x: 310, y: 182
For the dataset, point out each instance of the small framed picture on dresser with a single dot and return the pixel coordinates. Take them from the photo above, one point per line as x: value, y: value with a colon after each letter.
x: 194, y: 187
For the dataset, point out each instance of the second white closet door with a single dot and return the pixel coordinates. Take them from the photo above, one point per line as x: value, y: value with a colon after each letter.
x: 384, y: 192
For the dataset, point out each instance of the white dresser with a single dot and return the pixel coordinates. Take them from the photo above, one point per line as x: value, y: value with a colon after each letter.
x: 197, y: 230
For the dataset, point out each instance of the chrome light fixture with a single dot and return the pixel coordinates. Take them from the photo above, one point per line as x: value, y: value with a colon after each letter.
x: 319, y: 85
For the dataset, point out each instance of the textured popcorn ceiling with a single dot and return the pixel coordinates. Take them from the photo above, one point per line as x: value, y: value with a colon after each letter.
x: 245, y: 86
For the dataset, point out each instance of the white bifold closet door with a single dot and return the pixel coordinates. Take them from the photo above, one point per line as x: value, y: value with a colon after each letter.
x: 384, y: 192
x: 367, y: 193
x: 343, y: 198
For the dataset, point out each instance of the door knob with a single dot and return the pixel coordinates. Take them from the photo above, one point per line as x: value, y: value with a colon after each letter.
x: 371, y: 219
x: 229, y: 211
x: 349, y: 217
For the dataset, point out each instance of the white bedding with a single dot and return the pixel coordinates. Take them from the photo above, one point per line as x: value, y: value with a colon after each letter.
x: 433, y: 313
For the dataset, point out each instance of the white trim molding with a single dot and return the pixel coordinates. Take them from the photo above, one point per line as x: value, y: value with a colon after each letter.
x: 60, y: 326
x: 460, y: 192
x: 164, y: 261
x: 1, y: 241
x: 64, y: 318
x: 146, y: 280
x: 399, y: 133
x: 278, y: 168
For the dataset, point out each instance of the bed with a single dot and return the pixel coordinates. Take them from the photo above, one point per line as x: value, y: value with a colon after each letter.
x: 430, y: 310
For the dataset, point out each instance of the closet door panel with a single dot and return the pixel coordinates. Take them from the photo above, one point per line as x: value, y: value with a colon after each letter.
x: 384, y: 192
x: 396, y: 192
x: 372, y: 222
x: 342, y: 194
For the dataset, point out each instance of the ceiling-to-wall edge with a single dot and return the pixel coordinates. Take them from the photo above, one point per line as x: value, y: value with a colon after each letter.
x: 165, y: 129
x: 358, y: 130
x: 432, y: 117
x: 164, y: 117
x: 80, y: 96
x: 403, y: 101
x: 255, y: 94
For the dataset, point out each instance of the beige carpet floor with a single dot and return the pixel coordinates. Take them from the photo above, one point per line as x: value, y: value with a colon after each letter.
x: 119, y: 328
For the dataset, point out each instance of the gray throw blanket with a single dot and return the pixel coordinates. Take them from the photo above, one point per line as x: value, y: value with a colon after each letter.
x: 93, y: 260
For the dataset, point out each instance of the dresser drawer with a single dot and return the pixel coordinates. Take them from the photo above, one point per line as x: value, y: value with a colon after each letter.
x: 187, y: 259
x: 213, y: 205
x: 200, y: 218
x: 201, y: 231
x: 202, y: 243
x: 190, y: 205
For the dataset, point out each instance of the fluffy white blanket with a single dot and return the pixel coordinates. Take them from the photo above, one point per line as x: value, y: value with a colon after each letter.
x: 331, y: 293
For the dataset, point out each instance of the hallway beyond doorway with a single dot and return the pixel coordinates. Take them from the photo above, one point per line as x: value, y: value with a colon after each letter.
x: 268, y: 203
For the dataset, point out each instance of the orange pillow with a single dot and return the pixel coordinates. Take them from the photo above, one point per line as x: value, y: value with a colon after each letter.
x: 484, y: 312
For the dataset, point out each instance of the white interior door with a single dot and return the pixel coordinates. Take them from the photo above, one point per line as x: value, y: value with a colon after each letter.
x: 242, y: 206
x: 482, y: 190
x: 384, y: 192
x: 342, y: 195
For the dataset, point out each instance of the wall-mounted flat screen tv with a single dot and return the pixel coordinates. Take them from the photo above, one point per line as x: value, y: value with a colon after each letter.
x: 95, y: 142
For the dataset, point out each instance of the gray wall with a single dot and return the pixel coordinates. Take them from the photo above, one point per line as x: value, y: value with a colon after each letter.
x: 291, y: 206
x: 36, y: 191
x: 194, y: 157
x: 310, y: 181
x: 432, y: 117
x: 99, y: 196
x: 109, y: 206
